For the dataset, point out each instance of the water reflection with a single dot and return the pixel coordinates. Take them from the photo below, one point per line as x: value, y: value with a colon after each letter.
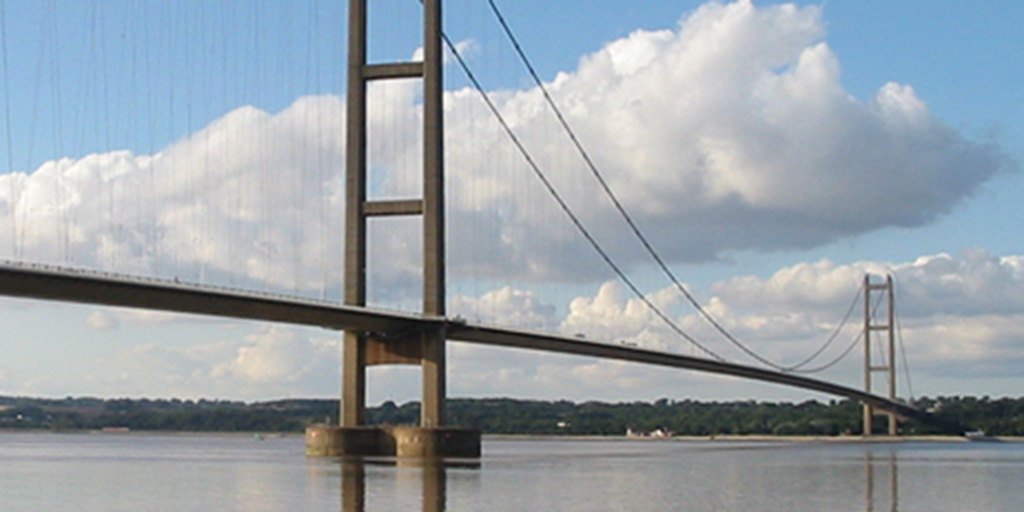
x: 878, y: 468
x: 433, y: 479
x: 353, y: 486
x: 880, y: 477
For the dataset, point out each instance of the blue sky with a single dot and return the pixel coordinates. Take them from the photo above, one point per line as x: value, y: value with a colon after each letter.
x: 907, y: 117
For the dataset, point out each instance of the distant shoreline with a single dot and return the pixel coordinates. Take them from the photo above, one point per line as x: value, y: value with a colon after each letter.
x: 729, y: 438
x: 739, y: 420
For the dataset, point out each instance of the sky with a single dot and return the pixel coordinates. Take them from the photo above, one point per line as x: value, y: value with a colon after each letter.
x: 773, y: 153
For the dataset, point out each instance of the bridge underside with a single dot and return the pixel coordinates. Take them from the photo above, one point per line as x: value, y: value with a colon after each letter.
x: 92, y: 288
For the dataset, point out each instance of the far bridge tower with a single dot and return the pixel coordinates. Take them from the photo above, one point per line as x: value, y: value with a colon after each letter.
x: 884, y: 332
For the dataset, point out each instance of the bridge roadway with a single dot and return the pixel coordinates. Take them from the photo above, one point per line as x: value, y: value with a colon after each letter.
x: 86, y: 287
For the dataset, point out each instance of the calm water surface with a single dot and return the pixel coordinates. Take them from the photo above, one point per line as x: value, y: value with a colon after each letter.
x: 105, y: 472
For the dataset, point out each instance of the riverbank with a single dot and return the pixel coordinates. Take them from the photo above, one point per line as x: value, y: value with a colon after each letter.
x: 748, y: 420
x: 729, y: 438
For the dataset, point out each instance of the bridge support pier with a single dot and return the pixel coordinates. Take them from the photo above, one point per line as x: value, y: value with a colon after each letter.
x: 353, y: 381
x: 428, y: 440
x: 401, y: 442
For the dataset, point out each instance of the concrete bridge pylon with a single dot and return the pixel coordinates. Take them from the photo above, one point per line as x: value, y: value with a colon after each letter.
x: 424, y: 347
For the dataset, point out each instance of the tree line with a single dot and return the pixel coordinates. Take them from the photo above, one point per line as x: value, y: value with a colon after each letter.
x: 1002, y: 416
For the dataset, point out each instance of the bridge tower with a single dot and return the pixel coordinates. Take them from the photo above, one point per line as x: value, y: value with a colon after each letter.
x: 886, y: 329
x: 425, y: 348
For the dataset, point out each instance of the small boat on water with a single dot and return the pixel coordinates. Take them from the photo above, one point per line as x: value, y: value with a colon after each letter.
x: 978, y: 435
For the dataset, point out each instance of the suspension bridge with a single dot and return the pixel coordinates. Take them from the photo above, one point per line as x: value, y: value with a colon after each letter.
x: 375, y: 336
x: 394, y: 328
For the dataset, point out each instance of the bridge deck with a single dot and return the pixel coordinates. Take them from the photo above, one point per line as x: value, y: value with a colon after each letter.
x: 49, y: 283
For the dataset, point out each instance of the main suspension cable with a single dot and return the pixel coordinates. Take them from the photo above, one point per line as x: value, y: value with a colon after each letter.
x: 830, y: 364
x: 903, y: 352
x: 828, y: 342
x: 618, y: 205
x: 846, y: 352
x: 565, y: 207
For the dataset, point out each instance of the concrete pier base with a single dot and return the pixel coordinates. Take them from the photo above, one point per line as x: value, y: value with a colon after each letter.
x: 331, y: 441
x: 403, y: 442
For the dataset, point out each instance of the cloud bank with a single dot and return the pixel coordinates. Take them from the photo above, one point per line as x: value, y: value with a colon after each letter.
x: 959, y: 319
x: 730, y: 132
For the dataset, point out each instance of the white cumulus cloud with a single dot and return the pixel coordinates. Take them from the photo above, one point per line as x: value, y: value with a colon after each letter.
x: 507, y: 306
x: 275, y: 354
x: 730, y: 132
x: 101, y: 321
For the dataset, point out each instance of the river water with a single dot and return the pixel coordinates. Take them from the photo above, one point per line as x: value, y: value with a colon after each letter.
x: 139, y: 472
